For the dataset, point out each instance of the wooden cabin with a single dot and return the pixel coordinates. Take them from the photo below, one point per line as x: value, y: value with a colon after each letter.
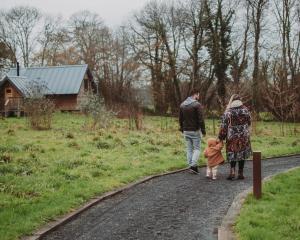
x: 65, y: 85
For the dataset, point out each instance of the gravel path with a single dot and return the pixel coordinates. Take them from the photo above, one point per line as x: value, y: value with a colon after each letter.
x: 179, y: 206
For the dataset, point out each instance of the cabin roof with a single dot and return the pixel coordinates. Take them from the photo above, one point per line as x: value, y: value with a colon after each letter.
x: 19, y: 82
x: 57, y: 79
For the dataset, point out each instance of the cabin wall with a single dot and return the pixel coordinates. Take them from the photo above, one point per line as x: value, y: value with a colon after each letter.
x: 67, y: 102
x: 3, y: 89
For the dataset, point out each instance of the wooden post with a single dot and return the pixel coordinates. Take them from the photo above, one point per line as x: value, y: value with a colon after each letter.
x: 257, y: 175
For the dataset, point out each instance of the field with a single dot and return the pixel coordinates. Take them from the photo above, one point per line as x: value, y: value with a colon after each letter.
x: 44, y: 174
x: 276, y: 215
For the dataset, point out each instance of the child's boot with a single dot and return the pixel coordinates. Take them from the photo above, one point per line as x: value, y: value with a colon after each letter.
x: 208, y: 172
x: 214, y: 174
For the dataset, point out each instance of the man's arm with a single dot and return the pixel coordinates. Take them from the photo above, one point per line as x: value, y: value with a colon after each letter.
x: 180, y: 120
x: 201, y: 119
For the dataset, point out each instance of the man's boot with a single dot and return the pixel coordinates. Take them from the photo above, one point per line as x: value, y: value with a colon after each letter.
x: 194, y: 169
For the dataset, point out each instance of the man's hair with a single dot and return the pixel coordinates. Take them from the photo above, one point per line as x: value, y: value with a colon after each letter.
x: 195, y: 91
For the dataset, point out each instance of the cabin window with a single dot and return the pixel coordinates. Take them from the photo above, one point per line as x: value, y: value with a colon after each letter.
x: 8, y: 93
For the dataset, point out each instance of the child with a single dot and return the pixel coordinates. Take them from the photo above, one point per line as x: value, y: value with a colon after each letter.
x: 214, y: 157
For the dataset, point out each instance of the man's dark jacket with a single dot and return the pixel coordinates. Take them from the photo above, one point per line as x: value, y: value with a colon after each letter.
x: 191, y: 117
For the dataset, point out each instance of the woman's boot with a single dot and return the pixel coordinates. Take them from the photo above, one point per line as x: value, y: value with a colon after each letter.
x: 241, y: 174
x: 232, y: 174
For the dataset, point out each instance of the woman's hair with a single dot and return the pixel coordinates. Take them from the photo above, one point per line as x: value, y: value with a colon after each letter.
x: 233, y: 98
x: 236, y: 97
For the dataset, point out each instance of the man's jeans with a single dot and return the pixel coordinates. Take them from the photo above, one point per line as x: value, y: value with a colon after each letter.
x: 193, y: 142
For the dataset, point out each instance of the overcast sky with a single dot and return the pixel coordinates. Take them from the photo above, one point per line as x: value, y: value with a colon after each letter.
x: 113, y: 12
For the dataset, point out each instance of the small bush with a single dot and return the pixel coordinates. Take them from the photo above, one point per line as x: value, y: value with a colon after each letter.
x: 93, y: 106
x: 266, y: 116
x: 39, y: 109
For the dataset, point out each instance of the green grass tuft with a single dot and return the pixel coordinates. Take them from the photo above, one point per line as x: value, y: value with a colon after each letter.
x: 276, y: 215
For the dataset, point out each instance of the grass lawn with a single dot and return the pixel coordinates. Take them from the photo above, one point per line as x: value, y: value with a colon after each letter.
x: 44, y: 174
x: 276, y: 215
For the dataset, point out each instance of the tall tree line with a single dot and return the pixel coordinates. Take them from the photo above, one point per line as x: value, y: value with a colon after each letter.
x: 250, y: 47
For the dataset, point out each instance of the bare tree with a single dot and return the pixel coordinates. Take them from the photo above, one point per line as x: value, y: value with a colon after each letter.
x: 297, y: 58
x: 280, y: 101
x: 6, y: 57
x: 87, y: 32
x: 240, y: 55
x: 172, y: 21
x: 21, y: 22
x: 149, y: 49
x: 285, y: 12
x: 7, y: 39
x: 257, y: 8
x: 48, y: 39
x: 194, y: 36
x: 124, y: 71
x: 58, y: 51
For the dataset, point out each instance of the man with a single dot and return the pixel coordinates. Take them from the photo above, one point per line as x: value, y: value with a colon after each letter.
x: 191, y: 123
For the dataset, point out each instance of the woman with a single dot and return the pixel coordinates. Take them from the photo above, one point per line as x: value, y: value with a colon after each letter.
x: 234, y: 129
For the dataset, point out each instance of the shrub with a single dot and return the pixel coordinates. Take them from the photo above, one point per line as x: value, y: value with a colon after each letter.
x: 39, y: 109
x: 93, y: 106
x: 266, y: 116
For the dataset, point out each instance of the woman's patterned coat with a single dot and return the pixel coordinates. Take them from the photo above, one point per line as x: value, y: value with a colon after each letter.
x: 235, y: 130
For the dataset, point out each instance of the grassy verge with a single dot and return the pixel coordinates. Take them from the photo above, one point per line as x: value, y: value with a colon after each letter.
x: 44, y: 174
x: 277, y: 215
